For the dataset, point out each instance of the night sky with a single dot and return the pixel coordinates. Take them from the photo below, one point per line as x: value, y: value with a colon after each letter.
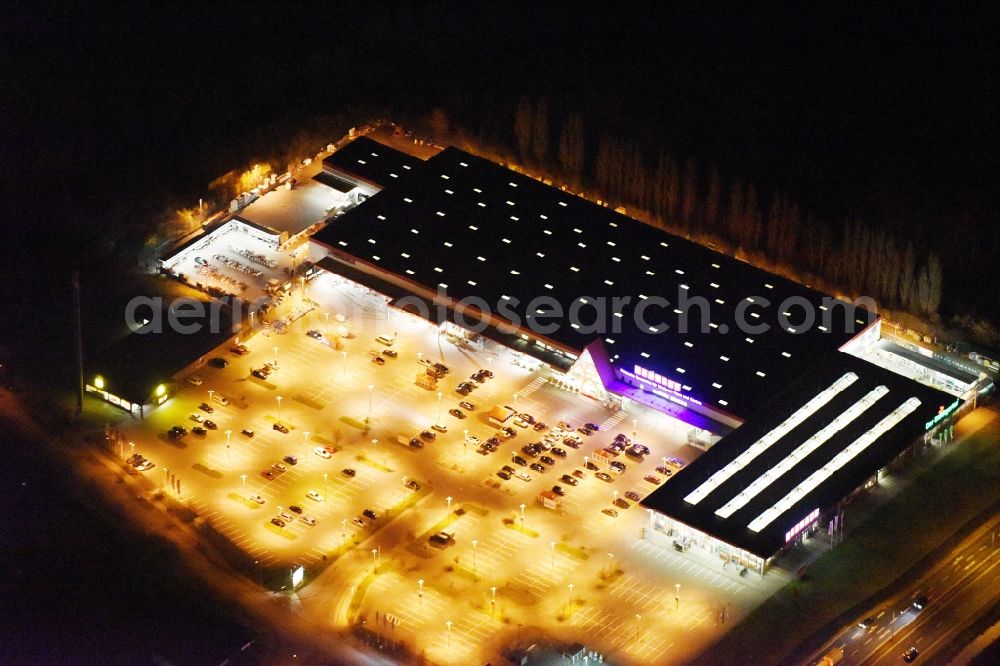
x: 108, y: 118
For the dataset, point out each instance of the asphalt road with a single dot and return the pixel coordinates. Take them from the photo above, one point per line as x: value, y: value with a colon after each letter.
x: 963, y: 584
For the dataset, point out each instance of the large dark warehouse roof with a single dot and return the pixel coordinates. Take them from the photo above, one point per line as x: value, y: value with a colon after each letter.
x: 478, y: 229
x: 372, y: 162
x: 810, y: 447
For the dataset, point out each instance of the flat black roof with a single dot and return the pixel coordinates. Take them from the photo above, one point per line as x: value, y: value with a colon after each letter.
x: 485, y: 231
x: 333, y: 181
x: 372, y: 162
x: 135, y: 364
x: 745, y: 476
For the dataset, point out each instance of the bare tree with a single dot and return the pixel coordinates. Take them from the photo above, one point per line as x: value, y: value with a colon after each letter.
x: 713, y: 200
x: 689, y: 199
x: 907, y: 278
x: 934, y: 286
x: 540, y: 134
x: 524, y: 123
x: 734, y: 218
x: 572, y: 150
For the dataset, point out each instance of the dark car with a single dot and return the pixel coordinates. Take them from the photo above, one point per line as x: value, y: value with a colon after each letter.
x: 547, y: 460
x: 291, y: 460
x: 538, y: 427
x: 519, y: 460
x: 370, y: 513
x: 198, y: 430
x: 461, y: 390
x: 467, y: 406
x: 604, y: 476
x: 867, y: 623
x: 618, y: 465
x: 442, y: 368
x: 277, y: 522
x: 571, y: 443
x: 247, y: 431
x: 207, y: 408
x: 584, y: 431
x: 348, y: 472
x: 488, y: 373
x: 566, y: 478
x: 621, y: 437
x: 211, y: 425
x: 665, y: 471
x: 556, y: 451
x: 295, y: 509
x: 493, y: 441
x: 378, y: 360
x: 259, y: 374
x: 389, y: 353
x: 652, y: 478
x: 415, y: 443
x: 268, y: 474
x: 633, y: 452
x: 529, y: 450
x: 504, y: 474
x: 622, y: 504
x: 578, y: 473
x: 412, y: 485
x: 280, y: 427
x: 558, y: 490
x: 537, y: 467
x: 508, y: 468
x: 314, y: 334
x: 428, y: 435
x: 592, y: 426
x: 632, y: 495
x: 240, y: 350
x: 591, y: 465
x: 218, y: 362
x: 510, y: 432
x: 920, y: 602
x: 911, y: 654
x: 457, y: 413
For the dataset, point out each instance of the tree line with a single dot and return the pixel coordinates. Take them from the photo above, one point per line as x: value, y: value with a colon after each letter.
x: 694, y: 202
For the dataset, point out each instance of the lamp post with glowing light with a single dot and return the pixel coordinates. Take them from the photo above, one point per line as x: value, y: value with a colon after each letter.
x: 244, y: 478
x: 371, y: 387
x: 522, y: 516
x: 552, y: 554
x: 448, y: 499
x: 279, y: 399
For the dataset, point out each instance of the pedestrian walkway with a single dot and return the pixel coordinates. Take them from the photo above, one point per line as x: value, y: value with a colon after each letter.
x: 614, y: 420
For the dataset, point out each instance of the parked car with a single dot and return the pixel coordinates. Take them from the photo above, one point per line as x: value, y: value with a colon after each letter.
x: 378, y: 360
x: 209, y: 424
x: 348, y: 472
x: 415, y: 443
x: 247, y: 431
x: 295, y: 509
x: 911, y: 654
x: 268, y: 474
x: 279, y: 467
x: 621, y: 504
x: 198, y: 430
x: 277, y: 522
x: 308, y: 520
x: 547, y: 460
x: 218, y: 362
x: 240, y: 350
x: 556, y: 451
x: 457, y: 413
x: 655, y: 480
x: 196, y: 417
x: 360, y: 522
x: 519, y: 460
x: 537, y: 467
x: 412, y: 485
x: 504, y: 474
x: 291, y: 460
x: 442, y: 539
x: 314, y: 334
x: 280, y: 427
x: 389, y: 353
x: 604, y: 476
x: 194, y: 380
x: 256, y: 499
x: 322, y: 453
x: 259, y: 374
x: 632, y: 495
x: 467, y: 406
x: 440, y: 427
x: 207, y: 408
x: 558, y: 490
x: 428, y: 435
x: 610, y: 512
x: 566, y: 478
x: 370, y: 513
x: 524, y: 476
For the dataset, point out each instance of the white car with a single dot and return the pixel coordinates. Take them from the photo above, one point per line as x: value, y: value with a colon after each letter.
x: 256, y: 499
x: 194, y: 380
x: 322, y: 453
x: 440, y: 427
x: 520, y: 423
x: 473, y: 440
x: 279, y: 467
x: 309, y: 520
x: 314, y: 496
x: 196, y: 417
x: 524, y: 476
x: 221, y: 399
x: 286, y: 516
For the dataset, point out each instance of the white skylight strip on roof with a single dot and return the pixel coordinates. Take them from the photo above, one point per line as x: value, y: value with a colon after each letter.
x: 546, y: 232
x: 447, y: 244
x: 801, y: 451
x: 482, y: 205
x: 512, y: 184
x: 440, y: 214
x: 463, y: 164
x: 841, y: 459
x: 407, y: 199
x: 406, y: 166
x: 445, y: 176
x: 765, y: 442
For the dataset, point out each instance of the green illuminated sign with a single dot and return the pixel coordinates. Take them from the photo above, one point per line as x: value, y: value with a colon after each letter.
x: 942, y: 415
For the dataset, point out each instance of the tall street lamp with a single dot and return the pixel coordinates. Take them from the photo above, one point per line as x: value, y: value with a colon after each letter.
x: 569, y: 600
x: 440, y: 395
x: 449, y: 634
x: 278, y: 398
x: 448, y: 499
x: 522, y: 516
x: 493, y: 601
x: 276, y: 357
x: 371, y: 387
x: 244, y: 478
x: 474, y: 544
x: 421, y: 593
x: 552, y: 554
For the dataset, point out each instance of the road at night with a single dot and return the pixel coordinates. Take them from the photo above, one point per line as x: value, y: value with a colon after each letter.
x: 961, y: 587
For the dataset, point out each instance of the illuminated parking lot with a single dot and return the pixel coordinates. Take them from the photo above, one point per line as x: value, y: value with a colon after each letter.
x: 574, y: 572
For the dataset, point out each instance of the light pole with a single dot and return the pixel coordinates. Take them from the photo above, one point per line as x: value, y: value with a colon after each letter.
x: 586, y: 462
x: 132, y: 446
x: 515, y: 401
x: 552, y: 554
x: 374, y: 444
x: 465, y: 443
x: 449, y: 634
x: 614, y: 496
x: 522, y: 516
x: 440, y: 395
x: 275, y: 357
x: 404, y: 489
x: 375, y: 558
x: 474, y: 544
x: 244, y: 478
x: 326, y: 490
x: 637, y: 619
x: 371, y: 387
x: 305, y: 437
x: 343, y: 533
x: 611, y: 561
x: 421, y: 593
x: 228, y: 434
x: 278, y: 398
x: 448, y: 499
x: 210, y: 392
x: 635, y: 428
x: 569, y: 600
x: 493, y: 601
x: 677, y: 595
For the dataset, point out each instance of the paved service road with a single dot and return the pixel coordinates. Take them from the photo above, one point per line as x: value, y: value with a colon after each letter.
x: 963, y: 585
